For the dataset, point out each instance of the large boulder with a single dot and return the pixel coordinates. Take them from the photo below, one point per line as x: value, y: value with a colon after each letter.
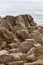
x: 21, y: 40
x: 22, y: 19
x: 1, y: 64
x: 10, y: 19
x: 25, y: 21
x: 33, y: 50
x: 18, y: 56
x: 38, y: 62
x: 3, y: 52
x: 26, y: 45
x: 16, y: 63
x: 36, y: 50
x: 14, y: 50
x: 13, y: 45
x: 31, y: 58
x: 32, y: 28
x: 6, y: 35
x: 40, y: 29
x: 7, y: 58
x: 31, y: 21
x: 6, y: 24
x: 3, y: 45
x: 22, y: 34
x: 36, y: 35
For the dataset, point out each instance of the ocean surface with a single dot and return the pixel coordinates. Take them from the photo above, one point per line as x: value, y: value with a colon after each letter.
x: 17, y: 7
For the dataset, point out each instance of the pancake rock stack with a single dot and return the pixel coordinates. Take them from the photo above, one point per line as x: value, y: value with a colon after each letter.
x: 21, y: 41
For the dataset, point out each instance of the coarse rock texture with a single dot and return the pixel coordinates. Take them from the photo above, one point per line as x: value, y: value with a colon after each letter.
x: 21, y: 41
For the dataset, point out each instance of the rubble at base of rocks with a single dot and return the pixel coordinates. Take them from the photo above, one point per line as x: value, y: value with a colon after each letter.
x: 21, y: 41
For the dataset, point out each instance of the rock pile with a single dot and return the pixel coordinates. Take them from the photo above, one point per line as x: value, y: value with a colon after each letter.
x: 21, y: 41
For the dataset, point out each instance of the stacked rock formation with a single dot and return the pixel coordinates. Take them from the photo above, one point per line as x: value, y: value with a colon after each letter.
x: 21, y: 41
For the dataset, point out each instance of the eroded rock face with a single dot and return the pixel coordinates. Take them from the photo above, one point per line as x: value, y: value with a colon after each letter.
x: 21, y: 41
x: 22, y: 34
x: 38, y: 62
x: 37, y: 36
x: 6, y: 58
x: 31, y: 57
x: 6, y: 35
x: 16, y: 63
x: 26, y: 45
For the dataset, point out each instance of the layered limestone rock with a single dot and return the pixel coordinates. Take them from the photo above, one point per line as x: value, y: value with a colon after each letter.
x: 21, y: 41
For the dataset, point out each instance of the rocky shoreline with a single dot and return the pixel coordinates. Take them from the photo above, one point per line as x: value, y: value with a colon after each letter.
x: 21, y: 41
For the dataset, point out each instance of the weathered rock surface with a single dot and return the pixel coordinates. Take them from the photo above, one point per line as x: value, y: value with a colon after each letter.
x: 6, y: 58
x: 26, y: 45
x: 31, y: 57
x: 22, y: 34
x: 37, y: 36
x: 38, y: 62
x: 14, y: 50
x: 16, y: 63
x: 21, y: 41
x: 6, y: 35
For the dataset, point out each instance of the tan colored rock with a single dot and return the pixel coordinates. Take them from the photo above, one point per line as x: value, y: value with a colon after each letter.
x: 42, y: 41
x: 26, y: 19
x: 10, y: 20
x: 6, y: 35
x: 38, y: 62
x: 6, y: 24
x: 40, y: 51
x: 18, y: 56
x: 0, y: 47
x: 36, y: 35
x: 31, y: 21
x: 17, y: 41
x: 5, y: 58
x: 40, y: 29
x: 1, y: 41
x: 13, y: 45
x: 2, y: 52
x: 3, y: 45
x: 26, y: 45
x: 1, y: 23
x: 33, y: 50
x: 22, y: 19
x: 31, y: 58
x: 40, y: 57
x: 22, y: 39
x: 32, y: 28
x: 38, y: 45
x: 16, y: 63
x: 14, y: 50
x: 36, y: 51
x: 20, y: 24
x: 22, y: 34
x: 1, y: 64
